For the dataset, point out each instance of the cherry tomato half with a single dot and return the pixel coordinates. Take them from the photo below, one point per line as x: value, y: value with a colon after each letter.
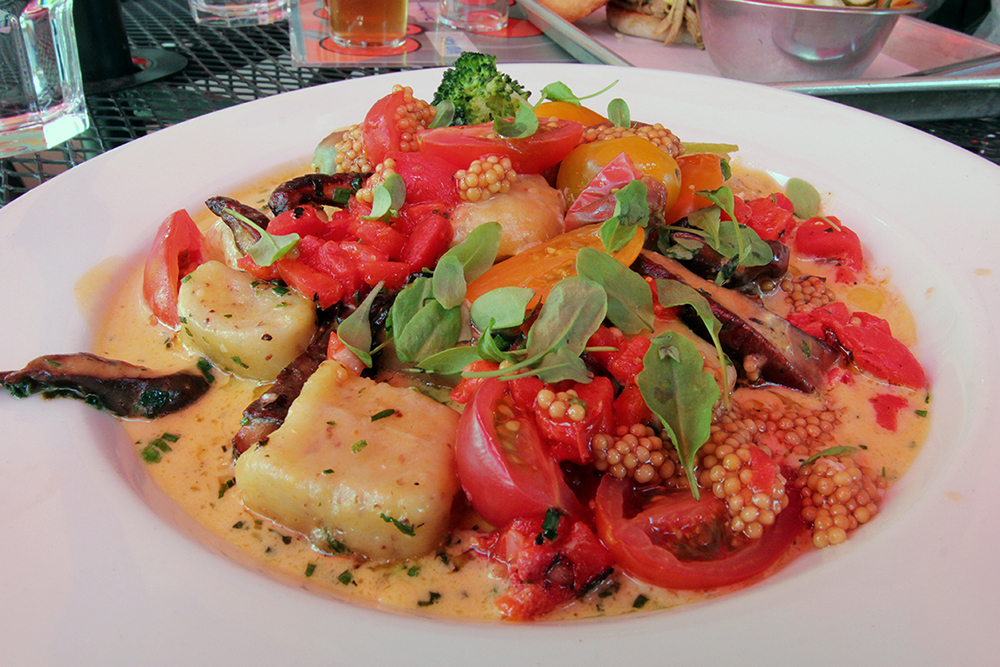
x: 570, y: 438
x: 532, y: 155
x: 176, y: 252
x: 505, y: 471
x: 542, y: 266
x: 586, y: 161
x: 379, y: 132
x: 661, y: 538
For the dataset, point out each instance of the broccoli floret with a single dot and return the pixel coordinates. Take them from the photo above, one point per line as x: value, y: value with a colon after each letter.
x: 479, y: 91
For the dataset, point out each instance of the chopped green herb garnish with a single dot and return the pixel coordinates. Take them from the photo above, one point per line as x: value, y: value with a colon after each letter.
x: 170, y: 437
x: 413, y: 571
x: 239, y: 362
x: 225, y: 486
x: 345, y: 577
x: 310, y: 569
x: 359, y: 445
x: 640, y: 602
x: 404, y: 526
x: 921, y: 413
x: 328, y: 471
x: 280, y: 291
x: 151, y: 454
x: 434, y: 597
x: 53, y: 362
x: 382, y: 414
x: 550, y: 526
x: 831, y: 451
x: 205, y: 367
x: 239, y: 525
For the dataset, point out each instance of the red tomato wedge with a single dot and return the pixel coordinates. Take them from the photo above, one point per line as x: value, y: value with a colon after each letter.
x: 461, y: 145
x: 380, y: 133
x: 176, y: 252
x: 509, y: 474
x: 642, y: 533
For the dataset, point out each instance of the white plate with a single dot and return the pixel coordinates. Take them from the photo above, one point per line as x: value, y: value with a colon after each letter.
x: 95, y: 568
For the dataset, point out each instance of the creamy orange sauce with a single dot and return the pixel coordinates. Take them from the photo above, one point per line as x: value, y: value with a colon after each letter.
x: 198, y: 474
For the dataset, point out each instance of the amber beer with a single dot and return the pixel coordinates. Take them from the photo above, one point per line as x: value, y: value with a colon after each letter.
x: 367, y: 23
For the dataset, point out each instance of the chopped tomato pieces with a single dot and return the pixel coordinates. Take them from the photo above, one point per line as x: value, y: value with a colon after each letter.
x: 830, y: 240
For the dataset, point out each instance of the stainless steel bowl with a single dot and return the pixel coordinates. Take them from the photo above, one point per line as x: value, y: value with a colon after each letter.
x: 770, y: 42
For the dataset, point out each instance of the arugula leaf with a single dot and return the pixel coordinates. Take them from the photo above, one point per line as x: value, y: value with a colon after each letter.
x: 355, y: 332
x: 524, y: 125
x: 672, y: 293
x: 618, y: 113
x: 504, y: 306
x: 631, y: 211
x: 681, y: 394
x: 630, y: 301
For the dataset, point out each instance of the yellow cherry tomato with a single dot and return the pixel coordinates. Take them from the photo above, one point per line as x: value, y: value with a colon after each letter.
x: 569, y: 111
x: 586, y: 160
x: 542, y: 266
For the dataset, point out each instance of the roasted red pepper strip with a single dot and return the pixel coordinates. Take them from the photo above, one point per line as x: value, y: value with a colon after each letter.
x: 829, y: 239
x: 869, y: 341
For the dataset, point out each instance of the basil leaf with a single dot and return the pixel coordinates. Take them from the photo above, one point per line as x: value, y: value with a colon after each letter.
x: 524, y: 125
x: 387, y: 198
x: 431, y: 330
x: 448, y: 282
x: 804, y: 197
x: 355, y: 332
x: 618, y: 113
x: 504, y: 306
x: 478, y: 251
x: 630, y: 301
x: 451, y: 361
x: 681, y: 394
x: 631, y: 211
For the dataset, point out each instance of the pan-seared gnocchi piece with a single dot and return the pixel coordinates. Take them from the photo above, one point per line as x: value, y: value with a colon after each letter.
x: 530, y: 213
x: 359, y: 465
x: 250, y: 328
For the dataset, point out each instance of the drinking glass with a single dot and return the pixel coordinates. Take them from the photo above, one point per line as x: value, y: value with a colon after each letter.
x: 367, y: 23
x: 474, y: 15
x: 41, y: 90
x: 238, y: 13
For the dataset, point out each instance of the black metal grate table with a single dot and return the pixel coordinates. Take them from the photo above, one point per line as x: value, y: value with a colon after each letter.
x: 230, y: 66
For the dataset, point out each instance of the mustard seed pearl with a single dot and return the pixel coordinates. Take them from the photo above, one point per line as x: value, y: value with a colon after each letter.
x: 614, y: 457
x: 731, y: 486
x: 766, y: 517
x: 544, y: 398
x: 557, y: 410
x: 754, y: 530
x: 644, y: 474
x: 820, y: 540
x: 576, y: 412
x: 836, y: 535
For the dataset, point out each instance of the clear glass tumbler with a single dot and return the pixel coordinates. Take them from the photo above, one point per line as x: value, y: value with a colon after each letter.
x: 237, y: 13
x: 474, y: 15
x: 41, y: 90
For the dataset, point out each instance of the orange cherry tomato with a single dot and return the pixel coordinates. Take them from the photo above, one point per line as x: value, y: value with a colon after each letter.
x: 699, y: 172
x: 542, y: 266
x: 585, y: 161
x: 569, y: 111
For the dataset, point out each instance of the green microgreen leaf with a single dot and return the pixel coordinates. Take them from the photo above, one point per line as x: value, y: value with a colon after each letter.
x: 618, y: 113
x: 387, y: 198
x: 269, y: 248
x: 432, y: 329
x: 630, y: 301
x: 631, y: 211
x: 451, y: 361
x: 673, y: 293
x: 804, y: 197
x: 448, y: 282
x: 681, y: 394
x: 445, y: 114
x: 560, y: 92
x: 478, y: 250
x: 524, y: 125
x: 504, y: 306
x: 355, y: 332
